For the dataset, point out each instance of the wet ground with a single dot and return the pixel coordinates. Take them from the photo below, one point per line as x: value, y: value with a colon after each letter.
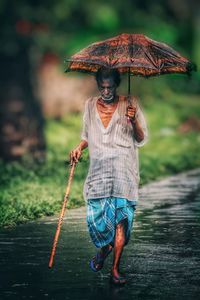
x: 162, y: 259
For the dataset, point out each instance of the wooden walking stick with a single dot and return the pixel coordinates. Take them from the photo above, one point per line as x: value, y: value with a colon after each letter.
x: 53, y: 251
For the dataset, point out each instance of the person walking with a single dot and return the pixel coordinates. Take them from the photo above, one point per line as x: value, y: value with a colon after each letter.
x: 113, y: 131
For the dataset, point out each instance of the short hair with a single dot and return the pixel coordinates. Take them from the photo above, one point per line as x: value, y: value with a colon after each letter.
x: 104, y: 73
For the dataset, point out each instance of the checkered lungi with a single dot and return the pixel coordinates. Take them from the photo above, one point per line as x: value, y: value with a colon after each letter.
x: 103, y: 214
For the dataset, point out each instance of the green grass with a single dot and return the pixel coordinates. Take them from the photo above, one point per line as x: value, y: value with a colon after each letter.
x: 29, y: 191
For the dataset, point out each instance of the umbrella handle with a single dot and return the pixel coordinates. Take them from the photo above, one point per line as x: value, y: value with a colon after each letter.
x: 129, y: 92
x: 129, y: 81
x: 129, y: 103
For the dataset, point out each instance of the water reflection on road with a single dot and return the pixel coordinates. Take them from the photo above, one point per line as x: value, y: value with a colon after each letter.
x: 162, y: 259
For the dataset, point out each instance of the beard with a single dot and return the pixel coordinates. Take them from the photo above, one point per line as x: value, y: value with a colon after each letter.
x: 109, y: 99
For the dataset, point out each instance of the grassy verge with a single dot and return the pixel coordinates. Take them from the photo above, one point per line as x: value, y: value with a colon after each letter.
x: 29, y: 191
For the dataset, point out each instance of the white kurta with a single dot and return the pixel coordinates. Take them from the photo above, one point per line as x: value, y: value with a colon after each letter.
x: 113, y: 152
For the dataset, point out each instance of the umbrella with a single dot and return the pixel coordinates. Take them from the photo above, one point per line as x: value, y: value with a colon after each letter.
x: 135, y: 54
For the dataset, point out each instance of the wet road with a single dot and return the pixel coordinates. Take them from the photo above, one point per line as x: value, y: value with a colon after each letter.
x: 162, y: 259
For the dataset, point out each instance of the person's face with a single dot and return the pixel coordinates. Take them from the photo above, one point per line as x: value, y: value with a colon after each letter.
x: 107, y: 89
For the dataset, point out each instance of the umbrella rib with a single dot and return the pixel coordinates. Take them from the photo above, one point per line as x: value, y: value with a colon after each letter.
x: 150, y: 59
x: 118, y: 44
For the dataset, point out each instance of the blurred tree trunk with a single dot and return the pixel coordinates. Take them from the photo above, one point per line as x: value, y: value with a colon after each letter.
x: 21, y: 121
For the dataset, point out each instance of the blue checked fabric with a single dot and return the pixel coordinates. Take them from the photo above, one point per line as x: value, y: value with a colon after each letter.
x: 104, y: 214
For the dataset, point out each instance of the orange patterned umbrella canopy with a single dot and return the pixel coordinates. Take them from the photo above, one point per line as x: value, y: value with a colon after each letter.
x: 135, y: 54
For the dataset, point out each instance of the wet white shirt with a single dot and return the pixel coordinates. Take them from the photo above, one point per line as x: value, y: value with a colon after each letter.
x: 113, y: 152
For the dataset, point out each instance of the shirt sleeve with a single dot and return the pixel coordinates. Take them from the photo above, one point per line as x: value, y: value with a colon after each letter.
x: 84, y: 131
x: 141, y: 118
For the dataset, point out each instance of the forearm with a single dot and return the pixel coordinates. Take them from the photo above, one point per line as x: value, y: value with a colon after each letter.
x: 138, y: 131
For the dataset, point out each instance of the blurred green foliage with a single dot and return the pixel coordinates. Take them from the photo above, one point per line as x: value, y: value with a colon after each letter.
x: 29, y: 191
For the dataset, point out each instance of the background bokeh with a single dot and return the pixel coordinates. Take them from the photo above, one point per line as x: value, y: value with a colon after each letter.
x: 41, y: 106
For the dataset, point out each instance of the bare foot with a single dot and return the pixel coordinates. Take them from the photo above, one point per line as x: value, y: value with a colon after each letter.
x: 117, y: 277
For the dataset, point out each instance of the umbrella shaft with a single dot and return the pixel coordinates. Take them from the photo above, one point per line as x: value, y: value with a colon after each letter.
x: 129, y: 81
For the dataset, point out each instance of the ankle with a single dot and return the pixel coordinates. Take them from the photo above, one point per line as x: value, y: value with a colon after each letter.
x: 115, y: 269
x: 105, y: 249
